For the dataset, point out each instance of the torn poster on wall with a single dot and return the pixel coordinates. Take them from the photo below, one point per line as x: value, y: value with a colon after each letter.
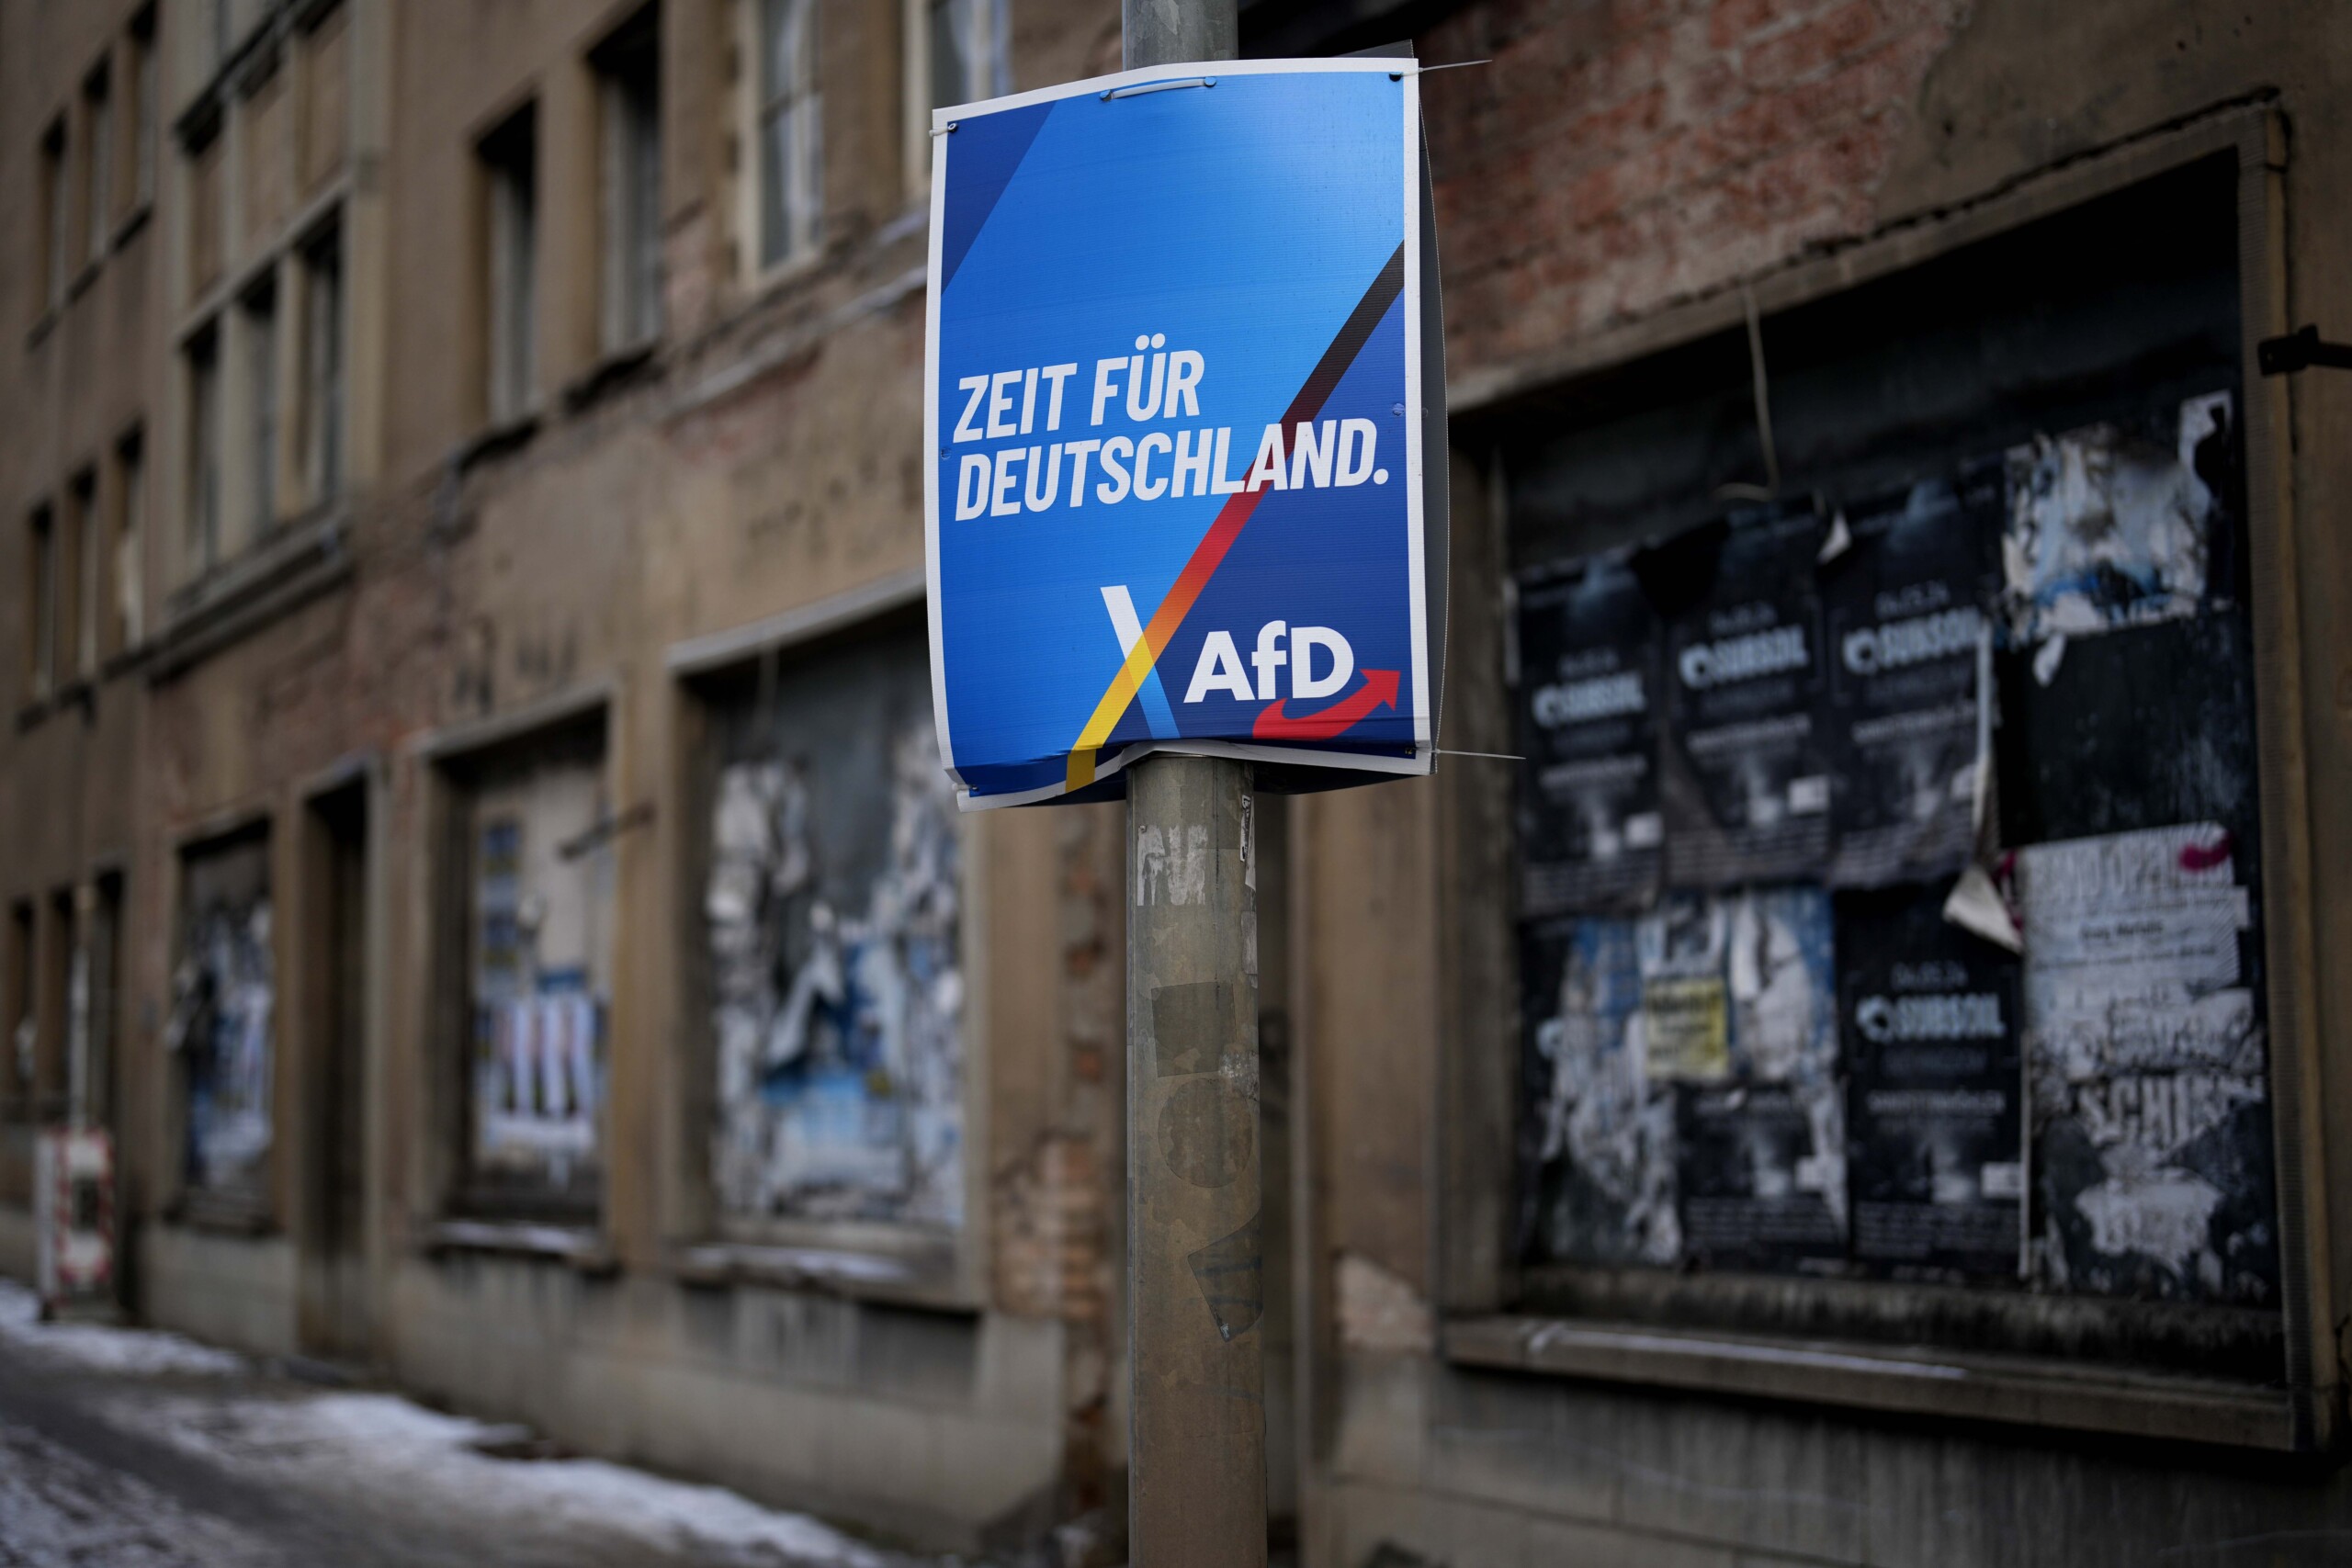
x: 2148, y: 1068
x: 1907, y: 637
x: 833, y: 909
x: 1601, y: 1142
x: 2111, y: 524
x: 224, y: 993
x: 1682, y: 1069
x: 1761, y: 1162
x: 1746, y: 785
x: 1928, y: 1014
x: 1589, y: 829
x: 541, y: 908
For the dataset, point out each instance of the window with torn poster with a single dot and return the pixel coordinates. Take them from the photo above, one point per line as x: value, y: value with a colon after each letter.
x: 1954, y: 970
x: 1927, y: 1016
x: 1684, y: 1071
x: 1910, y: 643
x: 224, y: 990
x: 833, y: 912
x: 1590, y: 833
x: 541, y: 919
x: 1746, y: 779
x: 2150, y: 1080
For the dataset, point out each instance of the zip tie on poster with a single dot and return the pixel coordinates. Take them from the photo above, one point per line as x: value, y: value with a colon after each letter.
x: 1142, y: 87
x: 1492, y: 756
x: 1449, y: 65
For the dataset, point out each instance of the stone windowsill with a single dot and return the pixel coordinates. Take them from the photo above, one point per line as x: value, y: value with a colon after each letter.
x: 291, y: 565
x: 2020, y: 1390
x: 580, y: 1247
x: 924, y: 1279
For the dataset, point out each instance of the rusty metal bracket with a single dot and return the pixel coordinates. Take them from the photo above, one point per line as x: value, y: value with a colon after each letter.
x: 2299, y: 350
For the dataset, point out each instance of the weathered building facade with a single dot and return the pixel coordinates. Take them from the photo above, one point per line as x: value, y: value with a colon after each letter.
x: 467, y: 823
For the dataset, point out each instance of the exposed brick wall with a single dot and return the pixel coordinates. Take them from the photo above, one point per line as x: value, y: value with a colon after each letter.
x: 1620, y: 154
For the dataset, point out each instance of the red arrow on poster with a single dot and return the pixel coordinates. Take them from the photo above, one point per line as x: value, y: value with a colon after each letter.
x: 1378, y: 690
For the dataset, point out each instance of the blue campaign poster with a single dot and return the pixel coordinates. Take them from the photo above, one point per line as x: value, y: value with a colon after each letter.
x: 1174, y: 410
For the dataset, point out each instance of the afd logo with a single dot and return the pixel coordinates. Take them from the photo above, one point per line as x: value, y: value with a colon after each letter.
x: 1319, y: 662
x: 1219, y: 667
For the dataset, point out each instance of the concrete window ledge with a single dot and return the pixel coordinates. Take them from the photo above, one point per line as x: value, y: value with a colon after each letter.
x: 2020, y: 1390
x: 583, y: 1248
x: 294, y: 565
x: 916, y: 1281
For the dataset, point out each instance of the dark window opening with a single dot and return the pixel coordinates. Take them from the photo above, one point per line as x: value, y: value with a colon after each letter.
x: 1765, y: 1033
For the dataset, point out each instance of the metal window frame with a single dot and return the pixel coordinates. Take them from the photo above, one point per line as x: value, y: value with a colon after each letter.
x: 1478, y: 1280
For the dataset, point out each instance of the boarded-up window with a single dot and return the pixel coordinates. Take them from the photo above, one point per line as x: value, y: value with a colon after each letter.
x: 40, y: 606
x: 322, y: 406
x: 126, y: 560
x: 205, y: 198
x: 833, y: 912
x: 87, y: 559
x: 97, y: 163
x: 18, y: 1048
x: 257, y: 324
x: 538, y: 895
x: 509, y: 161
x: 143, y: 87
x: 1888, y: 855
x: 268, y: 136
x: 202, y: 503
x: 326, y: 106
x: 784, y: 129
x: 54, y: 233
x: 222, y: 1024
x: 629, y: 92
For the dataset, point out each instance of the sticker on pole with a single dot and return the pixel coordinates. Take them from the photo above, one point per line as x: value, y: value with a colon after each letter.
x: 1179, y: 409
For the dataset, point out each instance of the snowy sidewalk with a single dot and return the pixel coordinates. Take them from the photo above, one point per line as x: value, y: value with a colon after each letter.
x: 128, y: 1449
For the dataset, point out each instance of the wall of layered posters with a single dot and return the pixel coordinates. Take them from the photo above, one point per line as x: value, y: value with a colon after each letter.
x: 832, y: 918
x: 1889, y: 896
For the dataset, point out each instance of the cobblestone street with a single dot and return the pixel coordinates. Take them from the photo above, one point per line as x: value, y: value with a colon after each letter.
x: 129, y: 1449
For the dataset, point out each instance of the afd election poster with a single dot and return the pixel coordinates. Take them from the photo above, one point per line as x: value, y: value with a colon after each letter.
x: 1175, y: 390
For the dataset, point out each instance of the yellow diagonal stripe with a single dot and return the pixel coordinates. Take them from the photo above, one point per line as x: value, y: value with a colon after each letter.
x: 1132, y: 674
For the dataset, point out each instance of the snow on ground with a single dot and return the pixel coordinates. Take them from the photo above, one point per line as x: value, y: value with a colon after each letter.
x: 388, y: 1456
x: 387, y: 1444
x: 92, y: 1348
x: 59, y: 1510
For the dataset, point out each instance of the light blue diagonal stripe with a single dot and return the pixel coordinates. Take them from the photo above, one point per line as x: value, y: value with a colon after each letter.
x: 1155, y: 711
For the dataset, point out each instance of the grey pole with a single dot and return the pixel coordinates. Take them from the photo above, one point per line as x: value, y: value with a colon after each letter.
x: 1196, y: 1415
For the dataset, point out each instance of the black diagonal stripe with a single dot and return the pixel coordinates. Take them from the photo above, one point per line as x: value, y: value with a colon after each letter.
x: 1343, y: 352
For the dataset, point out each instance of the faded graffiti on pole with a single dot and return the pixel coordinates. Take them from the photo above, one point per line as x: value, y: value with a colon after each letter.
x: 2148, y: 1067
x: 1907, y: 637
x: 223, y: 1002
x: 1588, y: 828
x: 1747, y: 778
x: 834, y: 913
x: 1762, y: 1153
x: 1928, y: 1017
x: 542, y: 902
x: 1600, y: 1143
